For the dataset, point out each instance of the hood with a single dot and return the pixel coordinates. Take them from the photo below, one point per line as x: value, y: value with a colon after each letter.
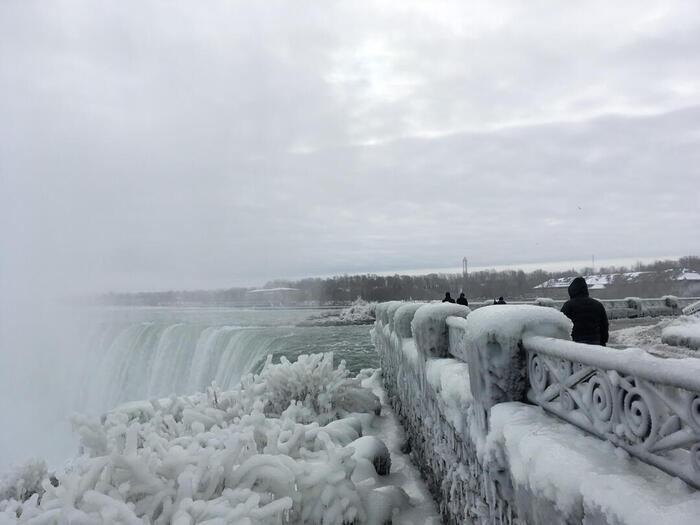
x: 578, y: 288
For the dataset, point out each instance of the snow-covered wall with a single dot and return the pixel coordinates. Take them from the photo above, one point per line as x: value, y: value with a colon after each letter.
x: 458, y: 384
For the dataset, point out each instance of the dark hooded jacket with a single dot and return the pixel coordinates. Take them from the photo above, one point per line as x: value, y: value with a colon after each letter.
x: 462, y: 300
x: 588, y: 315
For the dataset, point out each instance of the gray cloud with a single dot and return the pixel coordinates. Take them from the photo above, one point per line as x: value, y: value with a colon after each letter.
x: 155, y: 145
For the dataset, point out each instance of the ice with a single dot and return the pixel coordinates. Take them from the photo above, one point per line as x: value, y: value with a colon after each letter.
x: 382, y: 309
x: 545, y: 301
x: 582, y: 476
x: 685, y: 331
x: 403, y: 318
x: 506, y: 324
x: 23, y: 481
x: 491, y: 348
x: 279, y: 449
x: 430, y: 330
x: 359, y: 312
x: 373, y: 449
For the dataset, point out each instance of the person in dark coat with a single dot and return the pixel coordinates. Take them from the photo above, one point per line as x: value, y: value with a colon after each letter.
x: 501, y: 300
x: 588, y: 315
x: 462, y: 299
x: 447, y: 298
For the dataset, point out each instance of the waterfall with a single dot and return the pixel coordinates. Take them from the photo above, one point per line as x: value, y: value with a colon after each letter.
x: 149, y: 359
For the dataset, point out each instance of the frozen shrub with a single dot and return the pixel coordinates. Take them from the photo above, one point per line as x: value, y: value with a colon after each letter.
x: 23, y: 481
x: 257, y: 455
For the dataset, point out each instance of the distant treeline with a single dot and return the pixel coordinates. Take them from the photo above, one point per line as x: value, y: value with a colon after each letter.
x: 515, y: 284
x: 512, y: 284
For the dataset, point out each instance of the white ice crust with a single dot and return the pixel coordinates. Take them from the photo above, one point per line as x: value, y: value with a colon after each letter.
x: 581, y: 474
x: 430, y: 330
x: 507, y: 324
x: 285, y: 447
x: 685, y: 331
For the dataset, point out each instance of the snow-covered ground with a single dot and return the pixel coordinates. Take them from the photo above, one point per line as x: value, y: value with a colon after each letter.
x: 583, y: 476
x: 685, y: 331
x: 299, y: 443
x: 647, y: 334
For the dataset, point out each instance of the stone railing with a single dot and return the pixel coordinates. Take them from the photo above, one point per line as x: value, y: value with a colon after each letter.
x: 629, y: 307
x: 647, y: 405
x: 451, y: 374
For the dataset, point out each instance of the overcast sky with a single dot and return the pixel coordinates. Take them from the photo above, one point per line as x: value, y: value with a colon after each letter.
x: 154, y: 145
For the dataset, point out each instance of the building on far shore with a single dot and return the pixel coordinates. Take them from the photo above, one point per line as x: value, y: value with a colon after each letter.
x: 682, y: 282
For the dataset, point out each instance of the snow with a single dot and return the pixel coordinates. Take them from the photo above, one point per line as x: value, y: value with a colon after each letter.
x: 450, y: 380
x: 646, y: 333
x: 682, y: 373
x: 430, y: 329
x: 403, y: 318
x: 279, y: 449
x: 23, y: 481
x: 684, y: 331
x: 382, y: 311
x: 600, y: 281
x: 506, y: 324
x: 688, y: 275
x: 359, y: 312
x: 545, y: 301
x: 582, y: 475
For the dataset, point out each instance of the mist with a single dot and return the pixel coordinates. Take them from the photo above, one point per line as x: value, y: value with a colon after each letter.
x: 154, y: 146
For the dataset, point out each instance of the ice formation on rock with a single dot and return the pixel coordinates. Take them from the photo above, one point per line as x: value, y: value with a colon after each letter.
x: 278, y: 449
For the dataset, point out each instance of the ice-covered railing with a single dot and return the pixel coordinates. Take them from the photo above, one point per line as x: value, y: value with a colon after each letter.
x: 645, y: 404
x: 453, y: 376
x: 629, y: 307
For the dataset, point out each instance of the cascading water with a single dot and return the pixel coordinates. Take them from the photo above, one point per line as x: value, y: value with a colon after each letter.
x: 97, y: 358
x: 149, y: 359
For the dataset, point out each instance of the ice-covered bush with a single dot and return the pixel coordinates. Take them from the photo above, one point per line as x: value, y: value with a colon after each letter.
x: 359, y: 312
x: 429, y: 328
x: 325, y: 393
x: 23, y: 481
x: 254, y: 455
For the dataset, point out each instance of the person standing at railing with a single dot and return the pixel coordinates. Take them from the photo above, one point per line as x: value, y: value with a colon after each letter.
x: 462, y: 299
x: 448, y: 298
x: 588, y: 315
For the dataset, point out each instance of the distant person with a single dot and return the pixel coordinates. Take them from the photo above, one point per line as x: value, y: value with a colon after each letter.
x: 462, y: 299
x: 447, y: 298
x: 501, y: 300
x: 588, y: 315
